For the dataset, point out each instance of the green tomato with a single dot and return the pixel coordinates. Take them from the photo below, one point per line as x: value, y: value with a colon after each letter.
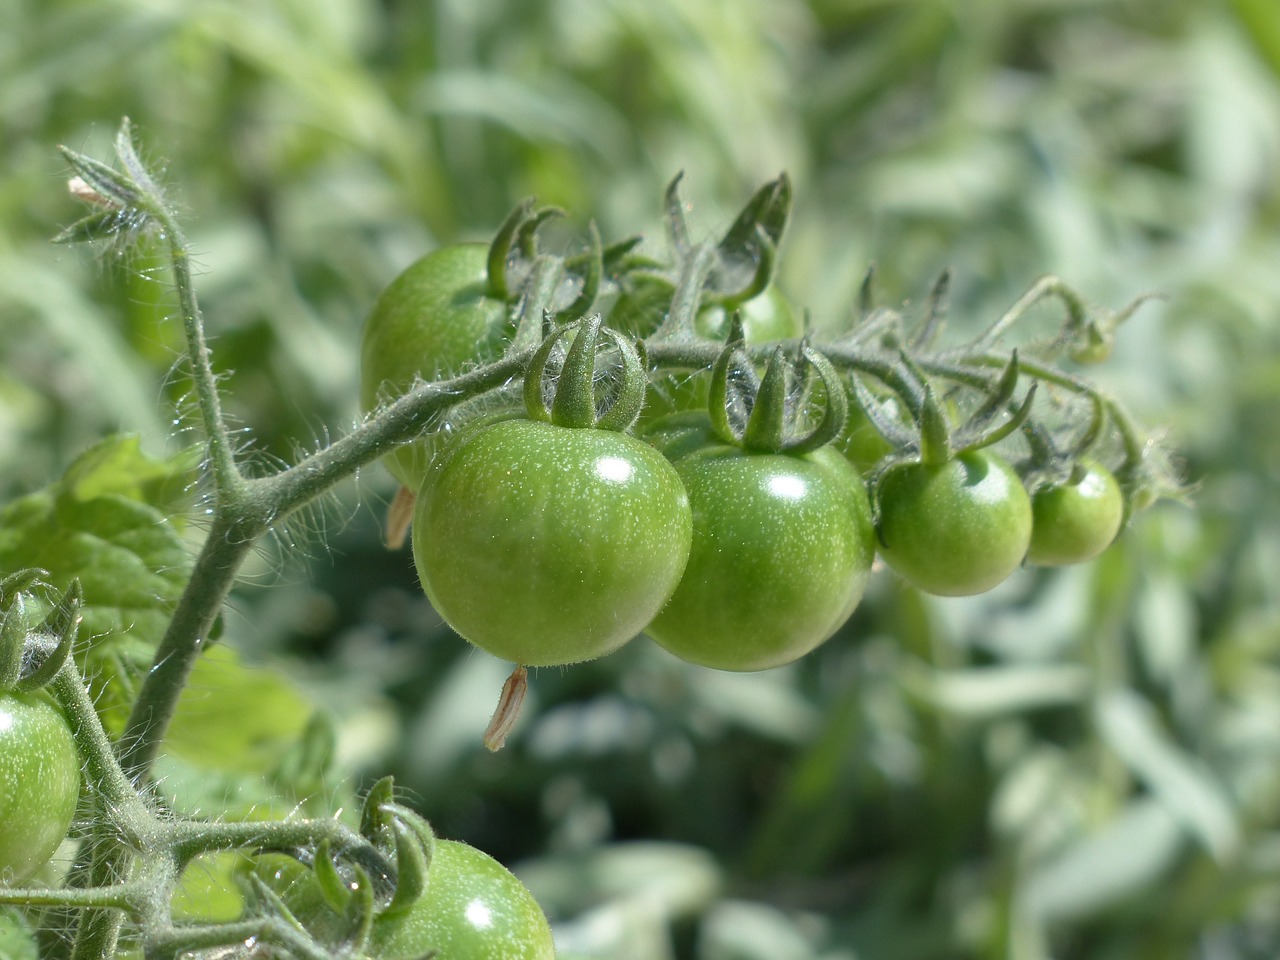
x: 434, y: 319
x: 1077, y: 520
x: 39, y: 783
x: 548, y: 545
x: 782, y: 550
x: 473, y: 908
x: 957, y: 528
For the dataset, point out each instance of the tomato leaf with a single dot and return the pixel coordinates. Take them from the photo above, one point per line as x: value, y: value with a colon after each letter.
x: 113, y: 520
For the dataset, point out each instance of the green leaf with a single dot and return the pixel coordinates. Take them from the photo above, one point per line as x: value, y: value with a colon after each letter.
x: 111, y: 522
x: 16, y: 941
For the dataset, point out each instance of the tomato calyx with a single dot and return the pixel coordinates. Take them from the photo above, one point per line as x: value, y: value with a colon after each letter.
x: 574, y: 403
x: 768, y: 412
x: 30, y: 653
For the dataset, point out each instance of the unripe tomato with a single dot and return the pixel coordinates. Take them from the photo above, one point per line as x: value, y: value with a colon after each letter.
x: 956, y: 528
x: 434, y: 319
x: 39, y: 783
x: 473, y: 908
x: 782, y: 550
x: 547, y: 545
x: 1077, y: 520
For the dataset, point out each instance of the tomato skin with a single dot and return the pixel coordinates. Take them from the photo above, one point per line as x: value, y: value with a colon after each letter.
x: 549, y: 545
x: 957, y: 528
x: 782, y: 550
x: 39, y: 783
x: 473, y: 908
x: 1075, y: 521
x: 434, y: 318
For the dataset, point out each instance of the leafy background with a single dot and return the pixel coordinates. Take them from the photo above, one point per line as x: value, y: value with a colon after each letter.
x: 1084, y: 763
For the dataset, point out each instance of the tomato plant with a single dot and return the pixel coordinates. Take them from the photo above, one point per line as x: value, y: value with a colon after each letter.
x: 955, y: 528
x: 435, y: 318
x: 39, y: 782
x: 1076, y: 520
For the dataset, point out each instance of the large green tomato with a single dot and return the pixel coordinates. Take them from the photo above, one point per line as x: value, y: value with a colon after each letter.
x: 1077, y: 520
x: 39, y: 783
x: 547, y: 545
x: 434, y: 319
x: 957, y: 528
x: 782, y: 550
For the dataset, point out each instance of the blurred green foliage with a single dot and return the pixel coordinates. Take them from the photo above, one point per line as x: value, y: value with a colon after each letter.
x: 1085, y: 763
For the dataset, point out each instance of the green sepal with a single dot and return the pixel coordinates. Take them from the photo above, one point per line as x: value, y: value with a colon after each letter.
x: 760, y: 279
x: 375, y: 824
x: 336, y: 892
x: 677, y: 225
x: 765, y: 424
x: 114, y: 187
x: 718, y: 390
x: 835, y: 411
x: 414, y: 849
x: 12, y: 586
x: 526, y: 238
x: 574, y: 404
x: 997, y: 434
x: 626, y: 407
x: 14, y: 629
x: 500, y: 250
x: 935, y: 434
x: 935, y: 313
x: 271, y: 903
x: 61, y: 624
x: 360, y: 912
x: 996, y: 403
x: 590, y: 279
x: 885, y: 424
x: 764, y: 218
x: 534, y: 403
x: 867, y: 293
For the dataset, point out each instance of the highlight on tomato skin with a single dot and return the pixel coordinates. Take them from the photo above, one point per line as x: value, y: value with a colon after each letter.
x: 957, y: 528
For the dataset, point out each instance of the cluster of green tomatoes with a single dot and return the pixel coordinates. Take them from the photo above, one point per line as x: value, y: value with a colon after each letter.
x: 685, y: 463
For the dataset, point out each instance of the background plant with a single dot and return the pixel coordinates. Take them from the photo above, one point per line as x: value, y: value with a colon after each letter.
x: 892, y: 786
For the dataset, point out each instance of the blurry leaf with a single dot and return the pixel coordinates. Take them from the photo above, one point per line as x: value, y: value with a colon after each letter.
x: 738, y: 930
x: 992, y: 691
x: 674, y: 879
x: 1127, y: 856
x: 1186, y: 788
x: 1165, y: 622
x: 16, y: 941
x: 103, y: 523
x: 233, y: 717
x: 765, y: 703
